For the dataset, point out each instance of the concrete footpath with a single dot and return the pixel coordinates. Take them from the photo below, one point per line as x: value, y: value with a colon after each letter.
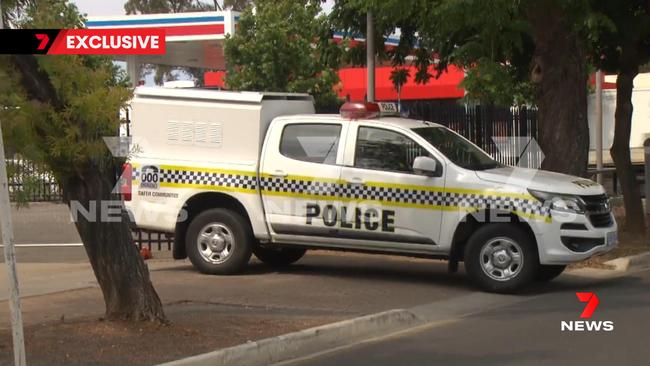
x: 43, y: 223
x: 326, y: 283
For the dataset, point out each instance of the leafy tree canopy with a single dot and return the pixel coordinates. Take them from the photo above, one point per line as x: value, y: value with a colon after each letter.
x: 88, y: 92
x: 180, y: 6
x: 238, y: 5
x: 274, y: 50
x: 56, y: 110
x: 492, y: 40
x: 620, y: 36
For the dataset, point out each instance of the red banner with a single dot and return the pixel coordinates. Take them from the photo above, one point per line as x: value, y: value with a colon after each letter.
x: 108, y: 41
x: 134, y: 41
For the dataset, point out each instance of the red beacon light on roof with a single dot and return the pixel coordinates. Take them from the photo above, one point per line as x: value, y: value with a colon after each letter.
x: 361, y: 110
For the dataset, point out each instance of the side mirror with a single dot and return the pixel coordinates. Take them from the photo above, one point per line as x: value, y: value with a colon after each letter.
x: 424, y: 165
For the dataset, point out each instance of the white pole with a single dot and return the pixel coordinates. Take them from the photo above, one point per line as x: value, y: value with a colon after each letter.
x: 10, y: 253
x: 370, y: 57
x: 10, y: 261
x: 132, y: 70
x: 599, y: 126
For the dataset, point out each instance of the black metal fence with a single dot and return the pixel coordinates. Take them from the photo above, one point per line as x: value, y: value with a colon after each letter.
x: 152, y: 239
x: 31, y: 182
x: 505, y: 133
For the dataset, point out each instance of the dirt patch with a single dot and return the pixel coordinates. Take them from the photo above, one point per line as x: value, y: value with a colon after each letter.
x: 195, y: 329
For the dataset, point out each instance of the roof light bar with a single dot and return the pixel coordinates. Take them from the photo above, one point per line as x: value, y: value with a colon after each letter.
x: 359, y: 110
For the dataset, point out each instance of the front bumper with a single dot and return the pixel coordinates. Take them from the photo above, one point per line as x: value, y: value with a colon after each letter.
x: 563, y: 241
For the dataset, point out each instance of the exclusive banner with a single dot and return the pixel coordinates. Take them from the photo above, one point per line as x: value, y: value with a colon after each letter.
x: 108, y: 41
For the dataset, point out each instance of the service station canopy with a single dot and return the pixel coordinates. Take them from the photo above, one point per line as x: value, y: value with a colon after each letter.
x: 193, y: 39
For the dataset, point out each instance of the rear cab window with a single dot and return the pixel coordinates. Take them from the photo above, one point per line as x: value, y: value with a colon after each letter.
x: 311, y: 142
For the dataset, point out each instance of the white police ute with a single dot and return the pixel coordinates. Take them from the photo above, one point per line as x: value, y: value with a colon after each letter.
x: 232, y: 174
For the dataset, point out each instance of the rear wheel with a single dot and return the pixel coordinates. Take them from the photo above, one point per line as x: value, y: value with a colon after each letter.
x: 219, y: 241
x: 501, y: 258
x: 279, y: 257
x: 547, y: 273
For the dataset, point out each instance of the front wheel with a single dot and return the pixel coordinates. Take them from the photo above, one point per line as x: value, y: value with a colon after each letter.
x: 278, y: 257
x: 501, y: 258
x: 219, y: 241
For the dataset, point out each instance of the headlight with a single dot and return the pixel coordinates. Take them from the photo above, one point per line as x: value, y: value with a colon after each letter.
x: 560, y: 202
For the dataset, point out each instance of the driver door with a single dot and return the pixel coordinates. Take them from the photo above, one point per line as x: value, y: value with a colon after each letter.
x: 386, y: 203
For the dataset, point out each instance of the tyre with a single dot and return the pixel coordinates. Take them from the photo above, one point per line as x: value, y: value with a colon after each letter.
x: 280, y: 257
x: 501, y: 258
x: 219, y: 241
x: 547, y: 273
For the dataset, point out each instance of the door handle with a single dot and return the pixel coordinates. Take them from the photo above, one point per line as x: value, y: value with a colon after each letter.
x: 355, y: 181
x: 279, y: 174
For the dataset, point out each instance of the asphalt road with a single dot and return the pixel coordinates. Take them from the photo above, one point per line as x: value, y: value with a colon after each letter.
x: 524, y: 333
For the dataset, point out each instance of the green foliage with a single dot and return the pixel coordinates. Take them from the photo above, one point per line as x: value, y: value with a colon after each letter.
x: 238, y: 5
x: 91, y: 90
x: 12, y: 10
x: 619, y: 34
x: 274, y: 50
x: 399, y: 76
x: 494, y: 83
x: 489, y: 38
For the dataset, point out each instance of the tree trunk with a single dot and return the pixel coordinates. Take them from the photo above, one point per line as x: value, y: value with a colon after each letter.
x: 620, y: 151
x: 121, y: 273
x: 560, y: 74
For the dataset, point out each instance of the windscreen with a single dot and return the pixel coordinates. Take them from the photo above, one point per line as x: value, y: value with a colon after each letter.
x: 457, y: 149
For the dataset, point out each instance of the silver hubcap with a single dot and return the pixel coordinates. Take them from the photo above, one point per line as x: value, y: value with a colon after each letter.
x: 215, y: 243
x: 501, y: 259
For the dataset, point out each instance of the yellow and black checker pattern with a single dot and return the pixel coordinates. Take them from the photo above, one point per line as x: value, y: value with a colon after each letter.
x: 337, y: 190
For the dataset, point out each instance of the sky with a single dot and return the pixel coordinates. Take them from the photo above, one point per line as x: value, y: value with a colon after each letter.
x: 101, y: 7
x: 116, y: 7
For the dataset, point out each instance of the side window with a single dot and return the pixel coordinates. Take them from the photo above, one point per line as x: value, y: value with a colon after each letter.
x: 381, y: 149
x: 315, y: 143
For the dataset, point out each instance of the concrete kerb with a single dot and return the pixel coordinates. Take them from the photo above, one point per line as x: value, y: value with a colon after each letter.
x: 305, y: 342
x: 308, y: 342
x: 632, y: 262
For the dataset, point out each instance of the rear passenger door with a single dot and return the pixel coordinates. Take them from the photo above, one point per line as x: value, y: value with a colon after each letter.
x: 299, y: 177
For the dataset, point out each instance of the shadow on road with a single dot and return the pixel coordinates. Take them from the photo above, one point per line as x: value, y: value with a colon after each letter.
x: 396, y: 271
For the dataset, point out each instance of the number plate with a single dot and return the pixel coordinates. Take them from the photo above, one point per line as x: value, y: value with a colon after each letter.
x: 388, y: 109
x: 612, y: 238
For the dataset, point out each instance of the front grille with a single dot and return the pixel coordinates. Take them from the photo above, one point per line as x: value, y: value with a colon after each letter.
x: 598, y: 210
x: 601, y: 220
x: 572, y: 226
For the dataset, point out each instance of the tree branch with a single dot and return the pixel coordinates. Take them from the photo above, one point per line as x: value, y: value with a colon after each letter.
x: 36, y: 82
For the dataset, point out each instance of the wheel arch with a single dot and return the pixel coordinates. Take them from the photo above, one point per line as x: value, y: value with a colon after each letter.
x: 474, y: 220
x: 197, y: 204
